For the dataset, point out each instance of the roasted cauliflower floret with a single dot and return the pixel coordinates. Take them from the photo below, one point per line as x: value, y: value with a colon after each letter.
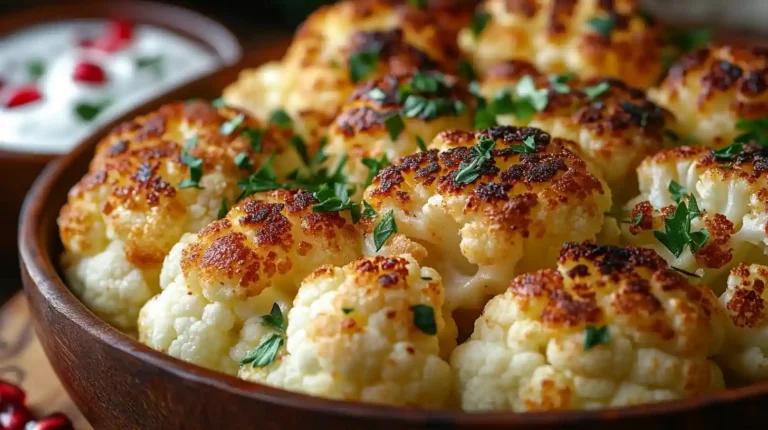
x: 610, y: 327
x: 152, y: 180
x: 615, y: 125
x: 713, y: 88
x: 365, y: 332
x: 745, y: 304
x: 724, y: 223
x: 384, y: 119
x: 342, y: 44
x: 235, y: 269
x: 589, y: 37
x: 485, y: 207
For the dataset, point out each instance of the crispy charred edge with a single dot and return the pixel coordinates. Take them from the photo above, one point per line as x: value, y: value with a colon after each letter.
x: 750, y: 164
x: 718, y: 251
x: 622, y: 107
x: 746, y: 306
x: 722, y: 68
x: 363, y: 113
x: 571, y: 299
x: 223, y: 250
x: 613, y: 261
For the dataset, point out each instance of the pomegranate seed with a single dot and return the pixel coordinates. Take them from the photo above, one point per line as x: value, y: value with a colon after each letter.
x: 11, y: 393
x: 118, y: 35
x: 23, y: 95
x: 14, y: 417
x: 120, y: 29
x: 57, y: 421
x: 90, y: 73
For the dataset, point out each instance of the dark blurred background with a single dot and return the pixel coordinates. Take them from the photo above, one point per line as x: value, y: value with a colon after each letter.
x: 265, y: 16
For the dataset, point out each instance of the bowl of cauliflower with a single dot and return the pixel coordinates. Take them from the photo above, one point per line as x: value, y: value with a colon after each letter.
x: 427, y: 214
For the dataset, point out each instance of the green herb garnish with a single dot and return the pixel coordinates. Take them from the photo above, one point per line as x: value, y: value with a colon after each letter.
x: 756, y: 131
x: 222, y: 209
x: 677, y: 191
x: 395, y: 125
x: 727, y: 153
x: 377, y: 94
x: 528, y: 146
x: 195, y: 165
x: 426, y: 278
x: 677, y: 228
x: 385, y: 228
x: 301, y: 148
x: 218, y: 102
x: 275, y: 319
x: 479, y: 21
x: 153, y: 63
x: 560, y: 82
x: 594, y: 336
x: 374, y: 167
x: 230, y: 126
x: 281, y: 119
x: 363, y: 63
x: 602, y: 25
x: 368, y: 210
x: 265, y: 353
x: 89, y: 111
x: 336, y: 199
x: 243, y: 162
x: 421, y: 143
x: 594, y: 92
x: 466, y: 71
x: 424, y: 319
x: 256, y: 136
x: 347, y: 311
x: 262, y: 180
x: 35, y: 70
x: 469, y: 171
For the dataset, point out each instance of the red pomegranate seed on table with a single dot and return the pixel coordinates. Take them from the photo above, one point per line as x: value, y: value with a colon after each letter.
x: 89, y: 73
x: 57, y: 421
x: 14, y: 416
x: 23, y: 95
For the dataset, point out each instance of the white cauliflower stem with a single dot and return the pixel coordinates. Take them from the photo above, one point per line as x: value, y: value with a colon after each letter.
x: 367, y: 332
x: 610, y: 327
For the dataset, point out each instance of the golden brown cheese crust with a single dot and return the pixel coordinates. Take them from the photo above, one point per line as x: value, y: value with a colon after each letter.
x: 746, y: 306
x: 557, y: 37
x: 636, y: 281
x: 508, y: 186
x: 262, y: 237
x: 138, y: 166
x: 750, y: 165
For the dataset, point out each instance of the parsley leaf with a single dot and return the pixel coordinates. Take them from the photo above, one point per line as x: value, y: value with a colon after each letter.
x: 395, y: 125
x: 677, y: 229
x: 424, y: 319
x: 195, y: 165
x: 560, y: 82
x: 256, y: 136
x: 602, y: 25
x: 528, y: 146
x: 218, y: 102
x: 756, y: 131
x: 347, y: 311
x: 154, y: 63
x: 479, y: 21
x: 263, y: 179
x: 638, y: 219
x: 594, y: 92
x: 363, y: 63
x: 727, y: 153
x: 368, y: 210
x: 687, y: 40
x: 228, y: 127
x: 594, y: 336
x: 385, y: 228
x: 426, y: 278
x: 421, y: 143
x: 377, y: 94
x: 468, y: 172
x: 222, y: 209
x: 35, y: 69
x: 526, y: 90
x: 275, y: 320
x: 677, y: 191
x: 298, y: 144
x: 89, y: 111
x: 281, y: 119
x: 265, y: 353
x: 336, y: 199
x: 243, y: 162
x: 374, y: 167
x: 466, y: 71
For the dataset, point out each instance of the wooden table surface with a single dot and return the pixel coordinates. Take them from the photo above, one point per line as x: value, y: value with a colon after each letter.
x: 23, y: 362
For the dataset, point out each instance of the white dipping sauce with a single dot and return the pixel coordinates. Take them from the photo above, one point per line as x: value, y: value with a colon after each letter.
x: 52, y: 125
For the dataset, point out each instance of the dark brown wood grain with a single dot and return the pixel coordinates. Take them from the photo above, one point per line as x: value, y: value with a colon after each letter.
x: 119, y: 383
x: 21, y: 168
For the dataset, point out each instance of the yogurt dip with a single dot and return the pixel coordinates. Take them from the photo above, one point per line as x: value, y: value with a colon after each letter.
x: 61, y: 81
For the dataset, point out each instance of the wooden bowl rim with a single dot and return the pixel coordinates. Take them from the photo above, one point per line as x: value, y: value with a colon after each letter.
x: 207, y: 32
x: 38, y: 215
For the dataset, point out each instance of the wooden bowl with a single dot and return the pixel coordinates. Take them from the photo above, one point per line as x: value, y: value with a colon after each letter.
x: 24, y: 167
x: 119, y: 383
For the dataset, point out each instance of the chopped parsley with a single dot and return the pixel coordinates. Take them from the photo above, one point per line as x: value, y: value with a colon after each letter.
x: 419, y: 4
x: 385, y: 228
x: 281, y: 119
x: 687, y: 40
x: 218, y: 102
x: 256, y: 136
x: 677, y: 191
x: 424, y: 319
x: 526, y: 90
x: 347, y: 311
x: 377, y: 94
x: 638, y: 219
x: 468, y: 172
x: 374, y: 167
x: 466, y: 71
x: 602, y: 25
x: 395, y: 125
x: 336, y: 199
x: 594, y: 336
x: 426, y: 278
x: 154, y: 63
x: 421, y: 143
x: 368, y: 210
x: 35, y: 70
x: 275, y: 319
x: 729, y: 152
x: 677, y: 228
x: 222, y: 209
x: 301, y: 148
x: 479, y: 21
x: 230, y: 126
x: 560, y: 82
x: 594, y: 92
x: 263, y: 179
x: 362, y: 64
x: 756, y: 131
x: 528, y: 146
x: 522, y: 101
x: 89, y: 111
x: 265, y: 353
x: 243, y: 162
x: 195, y: 165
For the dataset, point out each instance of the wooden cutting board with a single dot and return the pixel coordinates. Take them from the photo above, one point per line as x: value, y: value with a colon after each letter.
x: 23, y: 362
